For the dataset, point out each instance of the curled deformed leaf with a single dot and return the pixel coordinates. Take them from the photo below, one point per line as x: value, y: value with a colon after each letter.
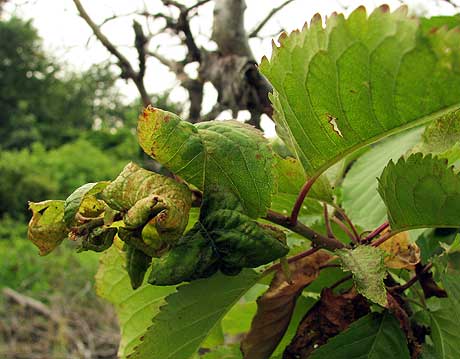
x: 227, y: 156
x: 225, y: 239
x: 400, y: 252
x: 98, y: 239
x: 156, y: 205
x: 137, y: 263
x: 47, y: 228
x: 193, y: 257
x: 84, y: 201
x: 367, y: 265
x: 275, y: 307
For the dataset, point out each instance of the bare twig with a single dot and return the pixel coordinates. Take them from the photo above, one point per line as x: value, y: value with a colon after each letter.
x: 254, y: 32
x: 32, y: 303
x: 128, y: 71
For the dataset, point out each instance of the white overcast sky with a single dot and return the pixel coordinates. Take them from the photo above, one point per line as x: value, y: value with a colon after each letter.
x: 66, y: 35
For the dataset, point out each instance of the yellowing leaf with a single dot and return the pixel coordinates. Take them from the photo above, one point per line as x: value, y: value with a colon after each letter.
x: 47, y: 228
x: 154, y: 204
x: 276, y: 306
x: 401, y: 253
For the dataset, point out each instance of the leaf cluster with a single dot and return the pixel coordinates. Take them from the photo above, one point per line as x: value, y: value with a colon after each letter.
x: 366, y: 269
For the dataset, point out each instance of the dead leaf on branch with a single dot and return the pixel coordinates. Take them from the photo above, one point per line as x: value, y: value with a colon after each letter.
x: 331, y: 315
x: 402, y: 311
x: 401, y: 253
x: 275, y: 307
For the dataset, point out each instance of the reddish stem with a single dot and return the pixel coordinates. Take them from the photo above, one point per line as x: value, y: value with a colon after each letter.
x: 350, y: 223
x: 412, y: 281
x: 376, y: 232
x: 300, y: 198
x: 295, y: 258
x: 344, y: 228
x: 382, y: 239
x: 329, y: 231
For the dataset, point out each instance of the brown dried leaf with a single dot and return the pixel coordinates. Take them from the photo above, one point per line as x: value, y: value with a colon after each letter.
x: 401, y: 253
x: 275, y: 307
x: 331, y: 315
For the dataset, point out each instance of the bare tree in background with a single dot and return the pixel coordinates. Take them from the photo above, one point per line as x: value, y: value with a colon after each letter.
x: 231, y: 69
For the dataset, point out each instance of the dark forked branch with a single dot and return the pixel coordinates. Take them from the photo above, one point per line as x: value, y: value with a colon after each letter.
x: 127, y: 71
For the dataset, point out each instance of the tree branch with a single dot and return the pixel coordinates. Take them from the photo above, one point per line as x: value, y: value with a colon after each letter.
x: 127, y: 70
x: 317, y: 239
x: 254, y: 32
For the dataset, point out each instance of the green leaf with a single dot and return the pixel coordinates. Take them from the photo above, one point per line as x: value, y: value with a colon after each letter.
x: 359, y: 79
x: 135, y: 308
x: 137, y: 264
x: 222, y: 156
x: 153, y: 204
x: 374, y: 336
x: 290, y: 178
x: 430, y: 241
x: 83, y: 200
x: 441, y: 135
x: 224, y: 352
x: 445, y: 327
x: 47, y: 228
x: 435, y: 22
x: 361, y: 199
x: 366, y: 264
x: 190, y: 314
x: 420, y: 192
x: 310, y: 212
x: 223, y: 239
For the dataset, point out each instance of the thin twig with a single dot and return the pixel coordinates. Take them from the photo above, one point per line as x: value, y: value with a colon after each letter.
x: 316, y: 238
x: 376, y: 232
x: 412, y: 281
x: 256, y: 30
x: 382, y: 239
x: 198, y: 4
x: 125, y: 66
x: 341, y: 281
x: 348, y: 220
x: 344, y: 228
x: 292, y: 259
x: 300, y: 198
x: 329, y: 231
